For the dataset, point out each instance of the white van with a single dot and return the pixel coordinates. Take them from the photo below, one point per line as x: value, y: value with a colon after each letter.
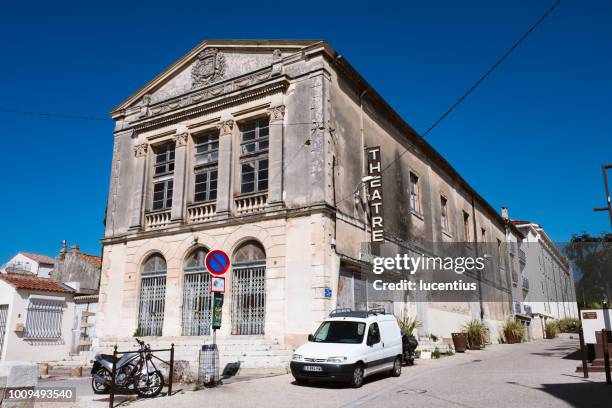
x: 349, y: 346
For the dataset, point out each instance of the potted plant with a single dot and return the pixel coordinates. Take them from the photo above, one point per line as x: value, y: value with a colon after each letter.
x: 459, y: 342
x: 476, y: 333
x: 552, y: 330
x: 408, y: 325
x: 514, y: 331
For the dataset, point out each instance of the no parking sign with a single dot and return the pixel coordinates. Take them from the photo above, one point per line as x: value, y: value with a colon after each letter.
x: 217, y: 262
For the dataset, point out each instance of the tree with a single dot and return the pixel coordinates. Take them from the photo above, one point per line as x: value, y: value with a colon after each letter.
x: 592, y: 257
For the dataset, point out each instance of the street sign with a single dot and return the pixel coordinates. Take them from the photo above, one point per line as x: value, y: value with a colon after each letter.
x: 327, y: 292
x: 217, y: 309
x: 217, y: 262
x: 217, y: 284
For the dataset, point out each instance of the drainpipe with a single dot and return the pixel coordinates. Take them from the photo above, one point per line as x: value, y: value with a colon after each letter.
x: 476, y: 249
x: 363, y: 187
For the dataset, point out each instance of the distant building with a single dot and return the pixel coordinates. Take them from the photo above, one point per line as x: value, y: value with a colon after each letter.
x: 48, y: 318
x: 81, y: 272
x: 79, y: 269
x: 37, y: 264
x: 546, y: 279
x: 36, y: 318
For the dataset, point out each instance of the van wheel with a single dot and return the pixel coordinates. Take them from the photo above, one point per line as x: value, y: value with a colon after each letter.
x: 357, y: 379
x: 397, y: 367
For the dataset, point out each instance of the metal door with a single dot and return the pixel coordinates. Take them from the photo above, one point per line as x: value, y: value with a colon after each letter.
x: 3, y: 319
x: 152, y: 299
x: 249, y: 299
x: 196, y: 304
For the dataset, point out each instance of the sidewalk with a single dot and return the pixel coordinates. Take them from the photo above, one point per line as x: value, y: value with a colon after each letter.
x: 537, y: 374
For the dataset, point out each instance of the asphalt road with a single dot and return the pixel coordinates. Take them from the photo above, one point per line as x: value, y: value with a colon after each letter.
x: 539, y: 374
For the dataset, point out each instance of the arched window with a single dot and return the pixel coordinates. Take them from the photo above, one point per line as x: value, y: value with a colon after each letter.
x: 152, y: 296
x: 249, y: 289
x: 196, y: 295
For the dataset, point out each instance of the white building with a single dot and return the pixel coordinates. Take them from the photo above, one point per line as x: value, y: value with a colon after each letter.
x: 37, y: 264
x: 36, y: 318
x: 546, y: 279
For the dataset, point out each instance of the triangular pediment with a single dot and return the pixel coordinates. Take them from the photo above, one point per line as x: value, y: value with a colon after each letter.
x: 212, y: 62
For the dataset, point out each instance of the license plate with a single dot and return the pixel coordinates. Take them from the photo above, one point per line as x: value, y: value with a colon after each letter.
x: 312, y: 368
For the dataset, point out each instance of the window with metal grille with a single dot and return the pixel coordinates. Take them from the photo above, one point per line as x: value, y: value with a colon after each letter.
x: 249, y: 289
x: 152, y: 297
x: 3, y: 319
x: 44, y: 319
x: 163, y: 177
x: 254, y: 156
x: 196, y: 295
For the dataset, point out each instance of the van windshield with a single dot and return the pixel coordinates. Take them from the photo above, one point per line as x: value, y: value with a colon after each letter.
x: 340, y: 332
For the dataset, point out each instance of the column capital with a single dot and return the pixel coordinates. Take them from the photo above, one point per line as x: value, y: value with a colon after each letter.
x: 277, y: 113
x: 181, y: 136
x: 225, y: 127
x: 140, y: 150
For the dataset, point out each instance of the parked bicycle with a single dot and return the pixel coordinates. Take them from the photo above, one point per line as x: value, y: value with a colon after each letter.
x: 133, y: 371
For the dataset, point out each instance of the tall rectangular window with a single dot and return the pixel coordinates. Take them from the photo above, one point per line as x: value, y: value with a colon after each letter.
x: 443, y: 214
x: 205, y: 169
x: 466, y: 227
x: 163, y: 176
x: 415, y: 193
x: 254, y: 156
x: 483, y: 235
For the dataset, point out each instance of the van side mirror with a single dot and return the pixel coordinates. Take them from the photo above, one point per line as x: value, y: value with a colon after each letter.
x: 310, y: 337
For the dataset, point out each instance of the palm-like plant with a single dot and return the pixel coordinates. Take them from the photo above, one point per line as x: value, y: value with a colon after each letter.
x: 476, y: 332
x: 513, y: 330
x: 408, y: 325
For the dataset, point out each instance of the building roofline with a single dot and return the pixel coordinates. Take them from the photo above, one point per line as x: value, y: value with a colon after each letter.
x: 199, y: 47
x: 351, y: 73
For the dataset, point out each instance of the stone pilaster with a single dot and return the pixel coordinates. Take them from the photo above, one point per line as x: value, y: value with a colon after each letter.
x: 138, y: 184
x: 226, y: 129
x: 180, y: 175
x: 275, y: 156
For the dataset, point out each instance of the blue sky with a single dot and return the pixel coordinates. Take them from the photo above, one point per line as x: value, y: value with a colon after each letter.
x: 533, y: 136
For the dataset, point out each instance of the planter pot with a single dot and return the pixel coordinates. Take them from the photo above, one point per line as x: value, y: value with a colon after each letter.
x: 459, y: 342
x: 512, y: 339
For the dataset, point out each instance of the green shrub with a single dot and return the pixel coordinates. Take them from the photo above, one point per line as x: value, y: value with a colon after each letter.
x: 569, y: 325
x: 433, y: 337
x: 476, y: 332
x: 435, y: 353
x: 408, y: 325
x: 513, y: 328
x: 552, y: 330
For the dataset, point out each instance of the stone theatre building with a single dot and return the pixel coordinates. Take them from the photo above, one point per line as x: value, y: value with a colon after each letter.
x: 257, y: 148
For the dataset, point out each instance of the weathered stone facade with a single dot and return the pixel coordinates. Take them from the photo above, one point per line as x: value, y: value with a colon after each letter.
x: 307, y: 219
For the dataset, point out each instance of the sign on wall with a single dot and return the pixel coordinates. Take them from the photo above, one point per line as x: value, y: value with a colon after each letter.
x: 594, y: 320
x: 376, y: 194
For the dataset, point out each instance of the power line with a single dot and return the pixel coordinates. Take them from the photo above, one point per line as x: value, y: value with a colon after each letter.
x: 55, y: 115
x: 469, y: 90
x: 70, y: 116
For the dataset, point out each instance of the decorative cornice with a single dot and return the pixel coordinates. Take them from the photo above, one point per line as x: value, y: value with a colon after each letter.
x: 210, y: 92
x: 277, y: 113
x: 140, y: 150
x: 225, y: 127
x: 273, y: 87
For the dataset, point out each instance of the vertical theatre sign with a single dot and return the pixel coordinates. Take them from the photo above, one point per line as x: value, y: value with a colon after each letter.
x: 376, y: 194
